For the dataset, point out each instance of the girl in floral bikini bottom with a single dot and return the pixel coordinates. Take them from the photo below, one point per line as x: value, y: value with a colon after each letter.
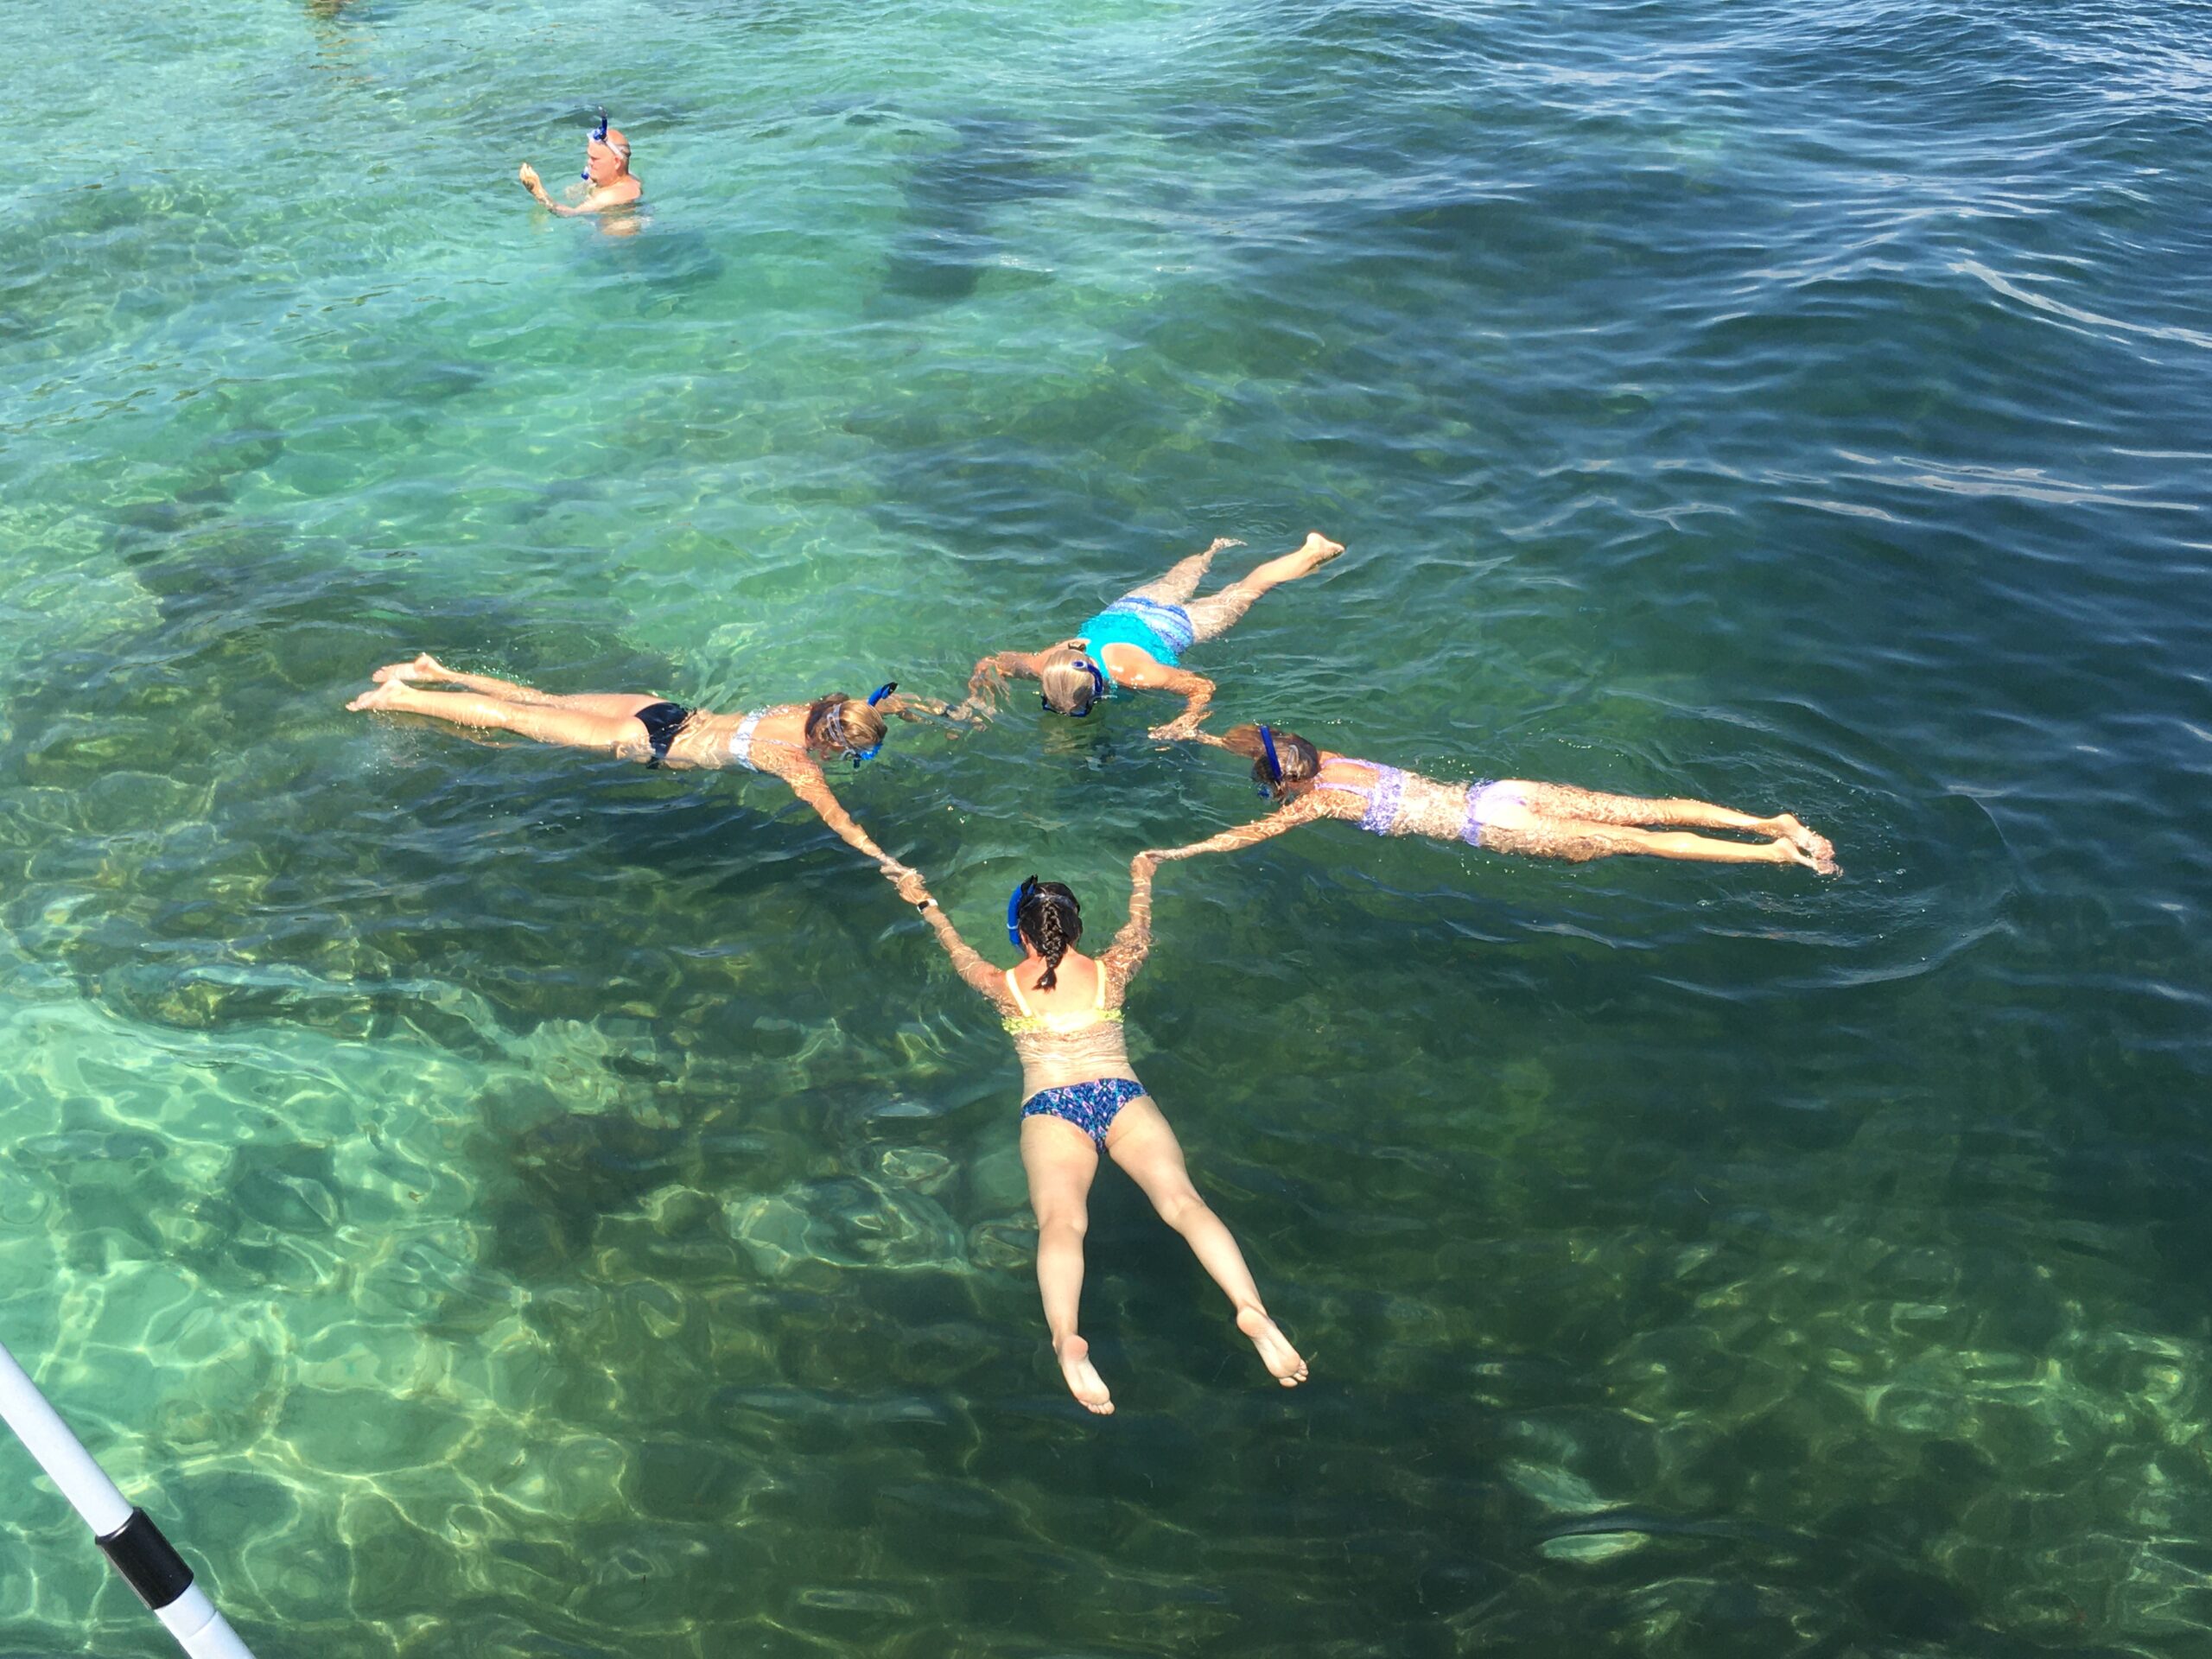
x: 1081, y: 1098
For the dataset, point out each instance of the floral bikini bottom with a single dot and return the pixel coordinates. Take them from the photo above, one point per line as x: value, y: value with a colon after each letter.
x: 1091, y: 1107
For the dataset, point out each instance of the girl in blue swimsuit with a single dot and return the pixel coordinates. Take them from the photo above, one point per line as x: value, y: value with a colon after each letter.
x: 1063, y: 1011
x: 1511, y: 815
x: 1139, y: 640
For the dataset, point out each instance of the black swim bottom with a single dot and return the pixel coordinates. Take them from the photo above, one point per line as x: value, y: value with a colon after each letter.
x: 661, y: 721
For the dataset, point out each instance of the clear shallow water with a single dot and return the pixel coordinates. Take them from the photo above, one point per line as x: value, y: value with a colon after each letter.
x: 488, y: 1203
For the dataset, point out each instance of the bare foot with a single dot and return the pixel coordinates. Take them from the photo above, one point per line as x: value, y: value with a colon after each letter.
x: 1787, y: 851
x: 1317, y: 551
x: 1818, y: 846
x: 424, y: 667
x: 1083, y: 1381
x: 379, y: 696
x: 1221, y: 542
x: 1275, y: 1352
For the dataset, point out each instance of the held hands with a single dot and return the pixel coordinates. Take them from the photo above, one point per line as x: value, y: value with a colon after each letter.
x: 912, y: 888
x: 985, y: 684
x: 1182, y: 728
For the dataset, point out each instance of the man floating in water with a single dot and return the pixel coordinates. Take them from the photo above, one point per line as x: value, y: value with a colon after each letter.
x: 607, y: 170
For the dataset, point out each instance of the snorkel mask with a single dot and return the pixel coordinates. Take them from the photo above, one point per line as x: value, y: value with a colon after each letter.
x: 1021, y: 896
x: 1097, y: 691
x: 1273, y: 787
x: 597, y: 136
x: 837, y: 724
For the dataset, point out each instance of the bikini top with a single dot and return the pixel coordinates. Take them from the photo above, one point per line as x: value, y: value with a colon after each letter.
x: 741, y: 740
x: 1064, y: 1020
x: 1383, y: 797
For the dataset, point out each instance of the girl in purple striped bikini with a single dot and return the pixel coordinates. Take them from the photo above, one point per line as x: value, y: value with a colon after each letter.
x: 1511, y: 815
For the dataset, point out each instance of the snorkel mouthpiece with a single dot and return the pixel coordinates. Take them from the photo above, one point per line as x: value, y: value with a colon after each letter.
x: 874, y: 697
x: 1021, y: 896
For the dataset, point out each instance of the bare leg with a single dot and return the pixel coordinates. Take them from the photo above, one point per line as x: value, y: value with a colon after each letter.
x: 1142, y: 1143
x: 619, y: 704
x: 1578, y: 840
x: 1216, y: 613
x: 426, y: 667
x: 1182, y: 581
x: 1561, y: 801
x: 549, y: 723
x: 1061, y: 1161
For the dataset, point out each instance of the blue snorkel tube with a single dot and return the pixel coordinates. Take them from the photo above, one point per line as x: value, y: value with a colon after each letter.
x: 1014, y: 901
x: 874, y: 697
x: 1274, y: 766
x: 598, y: 135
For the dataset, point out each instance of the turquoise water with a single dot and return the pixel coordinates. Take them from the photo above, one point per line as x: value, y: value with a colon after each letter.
x: 488, y: 1202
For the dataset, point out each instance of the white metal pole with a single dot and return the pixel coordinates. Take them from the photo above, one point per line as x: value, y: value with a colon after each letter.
x: 148, y: 1563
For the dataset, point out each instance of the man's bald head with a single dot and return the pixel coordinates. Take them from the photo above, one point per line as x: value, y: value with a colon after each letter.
x: 607, y: 158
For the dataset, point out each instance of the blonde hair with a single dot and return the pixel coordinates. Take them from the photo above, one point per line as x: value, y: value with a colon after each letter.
x: 1066, y: 679
x: 843, y: 723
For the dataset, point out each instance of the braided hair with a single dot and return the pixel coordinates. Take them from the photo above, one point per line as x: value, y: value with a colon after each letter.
x: 1051, y: 919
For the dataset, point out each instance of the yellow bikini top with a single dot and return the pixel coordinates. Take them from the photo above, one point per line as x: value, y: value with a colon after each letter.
x: 1067, y: 1020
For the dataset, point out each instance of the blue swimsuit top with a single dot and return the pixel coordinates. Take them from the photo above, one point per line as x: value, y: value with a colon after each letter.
x: 1163, y: 633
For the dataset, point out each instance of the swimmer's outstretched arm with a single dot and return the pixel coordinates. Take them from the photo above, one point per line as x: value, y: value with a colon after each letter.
x: 1195, y: 689
x: 992, y: 672
x: 1134, y: 943
x: 597, y: 202
x: 1305, y: 809
x: 811, y: 787
x: 911, y: 709
x: 985, y: 980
